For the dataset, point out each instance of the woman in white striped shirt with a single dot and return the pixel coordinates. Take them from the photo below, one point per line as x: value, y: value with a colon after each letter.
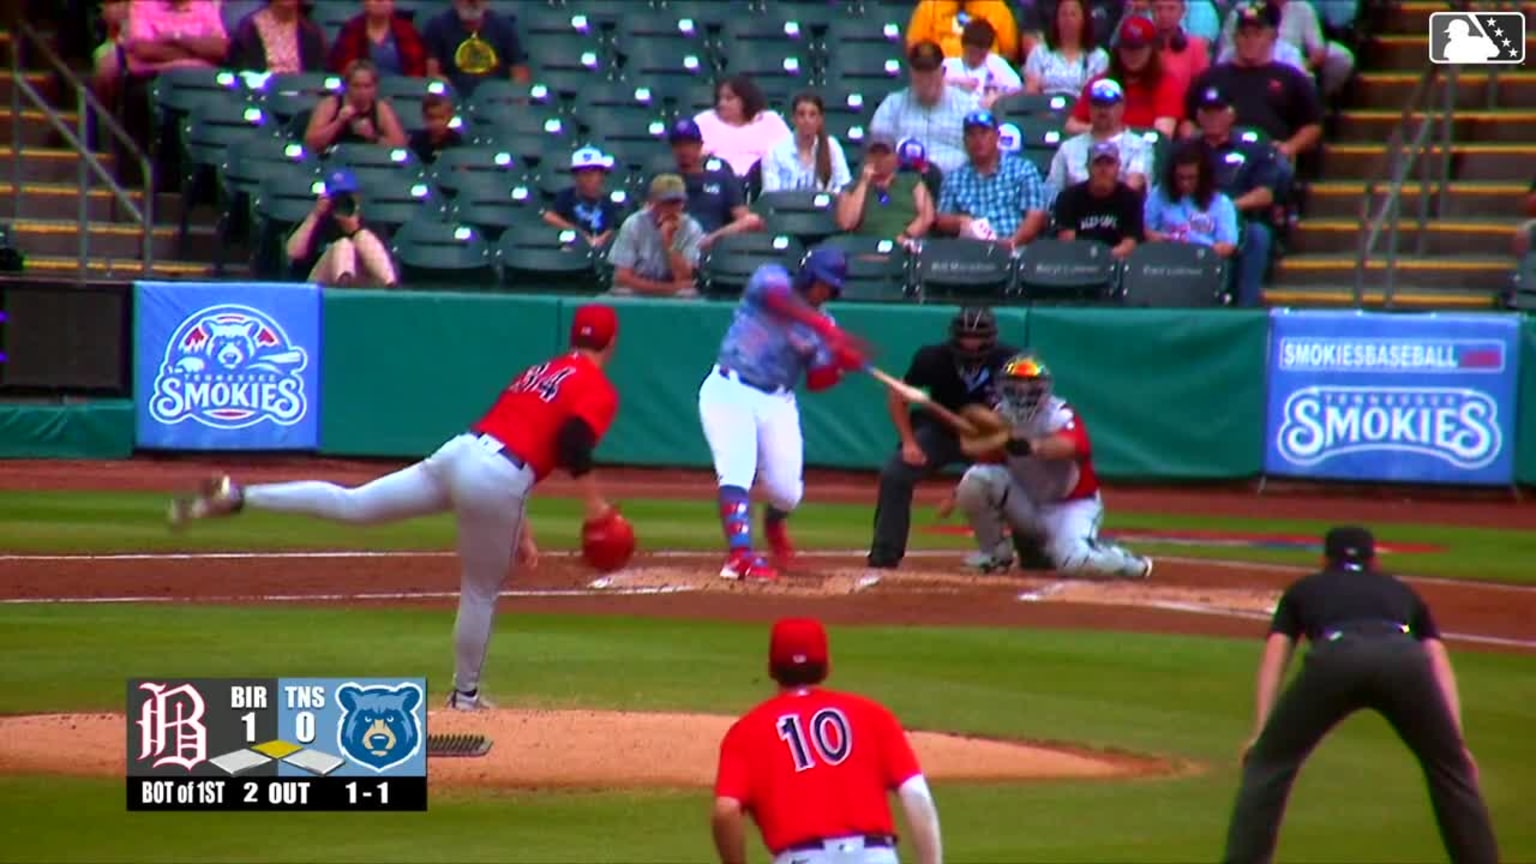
x: 810, y: 158
x: 1068, y: 59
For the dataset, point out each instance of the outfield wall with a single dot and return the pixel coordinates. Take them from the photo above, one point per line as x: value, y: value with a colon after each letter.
x: 1167, y: 394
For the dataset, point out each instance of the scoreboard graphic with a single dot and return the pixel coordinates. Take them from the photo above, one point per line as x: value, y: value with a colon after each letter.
x: 277, y: 744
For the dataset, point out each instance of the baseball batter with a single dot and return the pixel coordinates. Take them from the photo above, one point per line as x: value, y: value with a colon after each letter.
x: 747, y: 402
x: 1043, y: 485
x: 552, y: 415
x: 815, y: 768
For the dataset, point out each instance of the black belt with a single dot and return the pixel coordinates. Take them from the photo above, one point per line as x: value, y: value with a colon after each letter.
x: 765, y: 388
x: 871, y: 841
x: 486, y: 439
x: 1366, y: 629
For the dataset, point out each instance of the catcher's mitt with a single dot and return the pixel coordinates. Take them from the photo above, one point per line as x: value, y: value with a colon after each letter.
x: 992, y: 432
x: 607, y: 543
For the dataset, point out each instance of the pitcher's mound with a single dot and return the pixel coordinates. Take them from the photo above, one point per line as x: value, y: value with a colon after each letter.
x: 596, y: 749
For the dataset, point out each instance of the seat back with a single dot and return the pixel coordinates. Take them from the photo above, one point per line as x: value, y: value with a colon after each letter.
x: 951, y: 267
x: 542, y: 257
x: 1174, y: 275
x: 879, y: 270
x: 809, y: 217
x: 1057, y: 271
x: 458, y: 167
x: 436, y: 251
x: 1021, y: 106
x: 731, y: 260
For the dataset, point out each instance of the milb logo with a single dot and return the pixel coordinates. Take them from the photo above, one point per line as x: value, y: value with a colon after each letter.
x: 1455, y: 425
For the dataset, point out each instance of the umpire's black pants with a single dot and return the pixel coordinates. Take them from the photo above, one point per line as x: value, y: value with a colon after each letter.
x: 1391, y: 675
x: 898, y: 481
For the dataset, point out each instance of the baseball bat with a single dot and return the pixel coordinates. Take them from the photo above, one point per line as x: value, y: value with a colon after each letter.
x: 919, y: 398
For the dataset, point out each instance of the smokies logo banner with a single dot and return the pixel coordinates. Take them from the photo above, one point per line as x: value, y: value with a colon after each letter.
x: 1398, y: 398
x: 227, y: 365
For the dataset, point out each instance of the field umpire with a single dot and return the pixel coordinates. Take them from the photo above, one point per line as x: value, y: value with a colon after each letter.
x: 1374, y: 645
x: 955, y: 373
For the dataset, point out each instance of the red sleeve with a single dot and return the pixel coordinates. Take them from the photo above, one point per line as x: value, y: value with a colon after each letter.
x: 1077, y: 433
x: 1080, y: 108
x: 413, y: 51
x: 596, y: 402
x: 822, y: 377
x: 347, y: 47
x: 896, y: 751
x: 732, y: 776
x: 1169, y: 99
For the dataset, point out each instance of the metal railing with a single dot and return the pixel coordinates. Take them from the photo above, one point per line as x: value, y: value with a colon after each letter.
x: 26, y: 40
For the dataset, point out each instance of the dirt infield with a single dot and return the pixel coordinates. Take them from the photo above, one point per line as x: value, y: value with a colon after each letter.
x: 1184, y: 597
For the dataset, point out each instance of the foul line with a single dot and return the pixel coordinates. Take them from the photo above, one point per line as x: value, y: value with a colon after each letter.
x: 324, y: 598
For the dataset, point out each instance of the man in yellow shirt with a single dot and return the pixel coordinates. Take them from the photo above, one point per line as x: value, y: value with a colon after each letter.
x: 942, y: 21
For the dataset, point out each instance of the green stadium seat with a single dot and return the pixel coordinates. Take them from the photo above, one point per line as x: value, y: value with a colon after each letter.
x: 175, y: 92
x: 498, y: 96
x: 529, y: 138
x: 405, y: 94
x: 1062, y: 271
x: 544, y: 258
x: 566, y: 68
x: 281, y: 202
x: 666, y: 63
x: 778, y: 69
x: 390, y: 205
x: 330, y: 15
x: 284, y: 96
x: 378, y: 165
x: 785, y: 32
x: 885, y: 31
x: 247, y: 164
x: 955, y: 268
x: 807, y: 216
x: 879, y: 270
x: 712, y: 14
x: 730, y: 261
x: 1019, y: 106
x: 868, y: 68
x: 494, y: 218
x: 1174, y: 275
x: 1040, y: 132
x: 433, y: 251
x: 537, y: 22
x: 603, y: 96
x: 459, y: 167
x: 665, y: 26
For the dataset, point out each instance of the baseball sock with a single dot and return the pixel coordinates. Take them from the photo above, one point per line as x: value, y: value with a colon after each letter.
x: 774, y: 516
x: 736, y: 517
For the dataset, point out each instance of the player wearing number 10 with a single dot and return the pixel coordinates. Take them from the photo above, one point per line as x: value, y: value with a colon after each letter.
x: 814, y: 768
x: 552, y: 415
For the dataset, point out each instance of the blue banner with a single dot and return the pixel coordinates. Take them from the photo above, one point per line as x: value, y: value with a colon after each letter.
x: 1399, y: 398
x: 227, y: 365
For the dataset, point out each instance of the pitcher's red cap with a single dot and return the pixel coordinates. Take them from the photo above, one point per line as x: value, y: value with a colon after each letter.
x: 593, y: 326
x: 797, y: 642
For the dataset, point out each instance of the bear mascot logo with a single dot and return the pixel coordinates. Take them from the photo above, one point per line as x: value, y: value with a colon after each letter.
x: 380, y: 726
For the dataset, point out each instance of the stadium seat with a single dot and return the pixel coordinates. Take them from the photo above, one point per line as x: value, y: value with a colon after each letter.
x: 871, y: 69
x: 377, y: 164
x: 544, y: 258
x: 493, y: 219
x: 601, y: 96
x: 1174, y: 275
x: 879, y: 270
x: 175, y: 92
x: 281, y: 202
x: 784, y: 32
x: 566, y: 69
x: 1020, y: 106
x: 520, y: 197
x: 206, y: 136
x: 664, y: 26
x: 1056, y: 271
x: 731, y: 260
x: 778, y: 69
x: 432, y: 251
x: 712, y: 14
x: 886, y: 31
x: 389, y: 205
x: 950, y: 267
x: 667, y: 64
x: 690, y: 97
x: 1161, y: 147
x: 632, y: 135
x: 1040, y: 132
x: 530, y: 138
x: 405, y: 94
x: 498, y: 96
x: 459, y: 167
x: 809, y: 217
x: 247, y: 164
x: 284, y: 96
x: 537, y: 22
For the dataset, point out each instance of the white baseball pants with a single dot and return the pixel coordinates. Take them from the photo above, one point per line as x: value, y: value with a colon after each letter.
x: 754, y: 434
x: 845, y: 850
x: 468, y: 476
x: 1069, y: 530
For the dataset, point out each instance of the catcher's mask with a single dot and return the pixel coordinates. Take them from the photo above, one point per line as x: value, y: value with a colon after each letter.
x: 1024, y: 385
x: 973, y: 332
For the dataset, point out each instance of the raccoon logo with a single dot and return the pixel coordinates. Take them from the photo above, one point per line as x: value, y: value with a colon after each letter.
x: 380, y: 726
x: 230, y: 367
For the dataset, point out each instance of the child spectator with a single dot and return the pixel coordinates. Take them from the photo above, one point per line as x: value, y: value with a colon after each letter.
x: 585, y: 205
x: 438, y: 133
x: 978, y: 70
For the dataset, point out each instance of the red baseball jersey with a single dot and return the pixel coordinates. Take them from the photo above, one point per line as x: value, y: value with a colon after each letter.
x: 814, y: 764
x: 528, y: 415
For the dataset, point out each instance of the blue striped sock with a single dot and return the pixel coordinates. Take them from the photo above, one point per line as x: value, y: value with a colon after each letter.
x: 736, y: 517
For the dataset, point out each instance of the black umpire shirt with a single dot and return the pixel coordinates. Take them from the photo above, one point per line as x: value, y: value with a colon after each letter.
x: 950, y: 380
x: 1275, y: 97
x: 1365, y: 602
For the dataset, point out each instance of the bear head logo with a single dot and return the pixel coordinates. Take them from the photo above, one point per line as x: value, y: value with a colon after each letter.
x: 380, y: 726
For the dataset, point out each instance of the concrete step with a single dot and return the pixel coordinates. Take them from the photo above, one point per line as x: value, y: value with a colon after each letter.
x: 61, y: 201
x: 1467, y: 125
x: 40, y: 81
x: 1343, y: 295
x: 1473, y: 274
x: 1341, y: 199
x: 35, y: 129
x: 1356, y: 160
x: 45, y: 164
x: 1412, y: 16
x: 1390, y: 90
x: 126, y: 268
x: 1440, y: 237
x: 1409, y: 51
x: 111, y: 240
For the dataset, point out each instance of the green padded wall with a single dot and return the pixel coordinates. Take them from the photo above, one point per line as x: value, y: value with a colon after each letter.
x: 98, y: 429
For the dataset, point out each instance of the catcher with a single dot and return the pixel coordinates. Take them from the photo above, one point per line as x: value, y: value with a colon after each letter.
x: 1034, y: 472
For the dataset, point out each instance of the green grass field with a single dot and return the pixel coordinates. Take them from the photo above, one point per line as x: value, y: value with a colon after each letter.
x: 1360, y: 798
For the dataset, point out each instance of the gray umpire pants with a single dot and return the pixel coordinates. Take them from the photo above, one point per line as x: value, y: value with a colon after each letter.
x: 898, y: 481
x: 1392, y: 676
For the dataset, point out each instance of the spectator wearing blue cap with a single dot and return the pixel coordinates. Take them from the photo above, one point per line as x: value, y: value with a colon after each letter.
x: 885, y: 202
x: 1299, y: 42
x: 928, y: 109
x: 333, y: 245
x: 1102, y: 208
x: 1248, y: 171
x: 585, y: 205
x: 1106, y: 122
x: 716, y: 197
x: 995, y: 196
x: 657, y: 249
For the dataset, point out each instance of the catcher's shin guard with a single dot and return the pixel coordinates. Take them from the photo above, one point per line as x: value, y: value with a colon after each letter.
x: 1030, y: 553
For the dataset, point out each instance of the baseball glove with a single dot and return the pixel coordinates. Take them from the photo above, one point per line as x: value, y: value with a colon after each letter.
x: 608, y: 542
x: 992, y: 432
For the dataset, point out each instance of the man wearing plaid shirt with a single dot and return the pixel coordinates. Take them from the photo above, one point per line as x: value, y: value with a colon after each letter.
x: 927, y: 110
x: 996, y: 196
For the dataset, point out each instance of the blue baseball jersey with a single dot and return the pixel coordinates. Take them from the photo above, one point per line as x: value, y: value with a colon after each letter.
x: 763, y: 347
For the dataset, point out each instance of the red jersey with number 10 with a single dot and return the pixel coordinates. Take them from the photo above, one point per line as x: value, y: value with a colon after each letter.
x: 529, y: 414
x: 815, y: 764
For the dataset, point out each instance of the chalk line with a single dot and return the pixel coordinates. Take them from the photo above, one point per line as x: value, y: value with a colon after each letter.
x: 333, y: 598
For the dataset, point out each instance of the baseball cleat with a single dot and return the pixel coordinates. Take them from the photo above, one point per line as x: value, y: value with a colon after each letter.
x: 461, y: 701
x: 218, y: 497
x: 779, y: 545
x: 985, y: 563
x: 744, y: 565
x: 1146, y: 569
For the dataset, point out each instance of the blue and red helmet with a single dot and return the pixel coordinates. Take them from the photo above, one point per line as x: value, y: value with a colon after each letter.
x: 825, y: 264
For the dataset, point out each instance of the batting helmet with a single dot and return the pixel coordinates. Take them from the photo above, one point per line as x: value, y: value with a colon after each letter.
x: 825, y: 264
x: 973, y: 322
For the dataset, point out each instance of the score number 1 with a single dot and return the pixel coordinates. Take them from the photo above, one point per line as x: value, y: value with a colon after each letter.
x: 303, y: 727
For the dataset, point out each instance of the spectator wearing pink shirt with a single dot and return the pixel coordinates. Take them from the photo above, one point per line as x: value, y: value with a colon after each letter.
x: 172, y: 34
x: 740, y: 129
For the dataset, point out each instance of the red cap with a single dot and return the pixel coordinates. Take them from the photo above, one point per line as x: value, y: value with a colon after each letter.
x: 594, y: 326
x: 797, y: 642
x: 1137, y: 32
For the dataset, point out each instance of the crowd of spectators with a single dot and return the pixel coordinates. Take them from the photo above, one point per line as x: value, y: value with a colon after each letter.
x: 1237, y: 103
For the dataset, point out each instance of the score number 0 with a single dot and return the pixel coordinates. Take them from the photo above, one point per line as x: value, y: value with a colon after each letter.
x: 303, y: 727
